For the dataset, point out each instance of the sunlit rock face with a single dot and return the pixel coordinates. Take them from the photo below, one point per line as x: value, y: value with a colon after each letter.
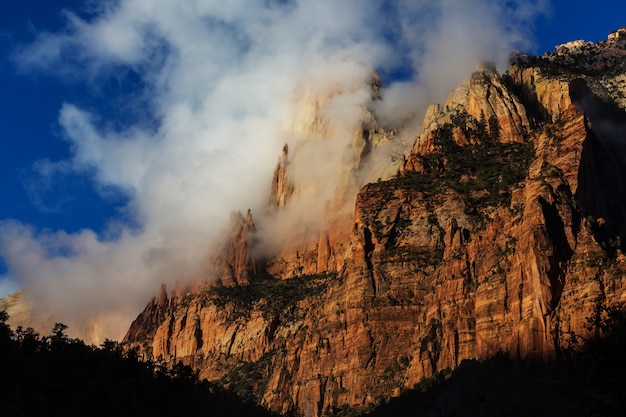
x: 501, y: 229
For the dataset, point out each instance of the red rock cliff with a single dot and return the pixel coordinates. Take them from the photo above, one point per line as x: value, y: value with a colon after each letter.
x: 504, y: 231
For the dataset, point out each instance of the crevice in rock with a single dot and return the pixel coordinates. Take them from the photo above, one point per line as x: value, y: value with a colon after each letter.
x: 231, y: 342
x: 368, y: 248
x: 320, y: 404
x: 170, y: 332
x: 329, y: 248
x: 198, y: 335
x: 469, y: 281
x: 520, y: 295
x: 506, y: 301
x: 566, y: 193
x: 367, y: 148
x: 270, y: 331
x: 371, y: 361
x: 561, y: 253
x: 392, y: 237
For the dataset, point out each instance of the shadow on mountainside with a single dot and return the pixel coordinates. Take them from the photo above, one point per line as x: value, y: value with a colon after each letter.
x: 602, y: 174
x: 58, y: 376
x: 588, y: 379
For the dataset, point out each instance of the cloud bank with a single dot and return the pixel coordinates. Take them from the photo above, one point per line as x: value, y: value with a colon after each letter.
x: 214, y: 98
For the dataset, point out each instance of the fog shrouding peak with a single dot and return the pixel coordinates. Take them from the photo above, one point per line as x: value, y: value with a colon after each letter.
x: 217, y: 91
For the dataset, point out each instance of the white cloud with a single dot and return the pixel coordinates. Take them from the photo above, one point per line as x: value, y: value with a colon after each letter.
x: 220, y: 80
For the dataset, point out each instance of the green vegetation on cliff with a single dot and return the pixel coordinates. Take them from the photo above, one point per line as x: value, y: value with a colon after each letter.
x: 483, y: 173
x: 277, y: 295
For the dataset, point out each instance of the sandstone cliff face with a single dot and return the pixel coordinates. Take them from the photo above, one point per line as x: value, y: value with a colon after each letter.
x: 504, y: 231
x: 484, y: 101
x: 313, y: 219
x: 236, y: 262
x: 281, y: 188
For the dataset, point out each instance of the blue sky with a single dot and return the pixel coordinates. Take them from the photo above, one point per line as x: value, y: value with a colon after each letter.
x: 29, y: 108
x: 591, y: 21
x: 84, y: 124
x: 30, y: 103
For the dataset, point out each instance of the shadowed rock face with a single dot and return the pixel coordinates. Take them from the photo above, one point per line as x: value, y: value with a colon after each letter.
x: 602, y: 174
x: 503, y: 232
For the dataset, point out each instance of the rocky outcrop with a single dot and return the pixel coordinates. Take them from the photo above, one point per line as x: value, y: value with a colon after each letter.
x: 155, y: 313
x: 236, y: 262
x: 281, y: 187
x: 483, y: 102
x: 503, y: 232
x: 311, y: 223
x: 548, y: 96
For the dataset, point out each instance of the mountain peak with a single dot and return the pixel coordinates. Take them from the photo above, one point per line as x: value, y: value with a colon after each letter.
x: 502, y: 231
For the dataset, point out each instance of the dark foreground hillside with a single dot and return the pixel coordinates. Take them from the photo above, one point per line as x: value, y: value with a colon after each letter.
x: 58, y: 376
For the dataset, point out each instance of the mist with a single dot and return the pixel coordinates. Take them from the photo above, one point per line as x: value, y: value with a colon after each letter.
x: 222, y: 86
